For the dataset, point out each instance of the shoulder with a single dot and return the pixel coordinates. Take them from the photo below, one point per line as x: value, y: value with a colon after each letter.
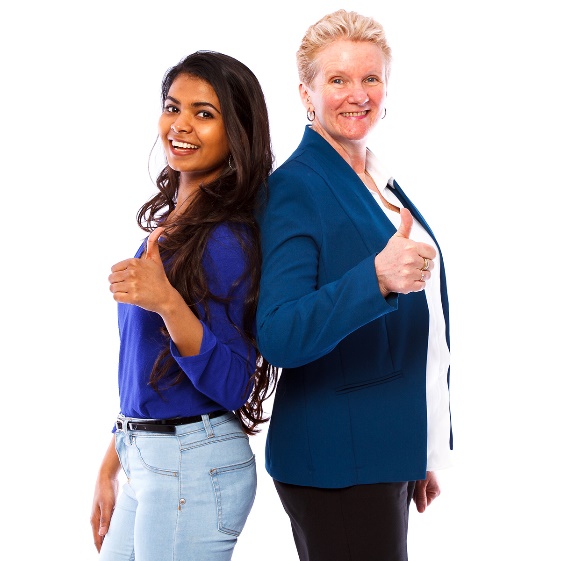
x: 297, y: 178
x: 314, y: 164
x: 299, y: 183
x: 226, y: 249
x: 222, y: 232
x: 229, y: 235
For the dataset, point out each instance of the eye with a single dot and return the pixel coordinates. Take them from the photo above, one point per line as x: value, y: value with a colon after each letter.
x: 205, y: 114
x: 170, y: 108
x: 372, y: 79
x: 338, y: 81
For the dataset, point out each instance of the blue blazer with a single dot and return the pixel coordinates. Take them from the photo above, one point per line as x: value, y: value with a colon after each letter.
x: 350, y: 406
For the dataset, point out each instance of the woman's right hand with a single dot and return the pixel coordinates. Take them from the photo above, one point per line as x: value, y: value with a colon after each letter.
x: 105, y: 495
x: 143, y: 281
x: 399, y: 266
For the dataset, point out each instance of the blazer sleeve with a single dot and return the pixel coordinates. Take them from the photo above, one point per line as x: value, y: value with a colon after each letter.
x: 300, y: 318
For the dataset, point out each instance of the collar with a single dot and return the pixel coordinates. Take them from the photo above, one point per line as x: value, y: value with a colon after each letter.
x: 377, y: 171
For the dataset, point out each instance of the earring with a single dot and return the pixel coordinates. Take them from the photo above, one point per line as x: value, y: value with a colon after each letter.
x: 385, y: 111
x: 311, y: 115
x: 230, y: 162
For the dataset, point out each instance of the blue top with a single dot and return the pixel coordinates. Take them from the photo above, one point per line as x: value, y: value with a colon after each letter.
x: 214, y: 379
x: 350, y: 405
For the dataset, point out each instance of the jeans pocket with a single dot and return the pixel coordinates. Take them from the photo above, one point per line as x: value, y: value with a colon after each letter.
x: 234, y: 490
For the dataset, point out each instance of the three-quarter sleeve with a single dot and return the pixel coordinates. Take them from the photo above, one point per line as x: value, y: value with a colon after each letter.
x: 225, y: 362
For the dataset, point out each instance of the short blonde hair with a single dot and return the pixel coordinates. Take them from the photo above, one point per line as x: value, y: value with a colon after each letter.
x: 338, y: 25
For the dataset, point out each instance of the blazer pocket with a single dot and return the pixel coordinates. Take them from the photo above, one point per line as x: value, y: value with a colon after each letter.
x: 364, y: 384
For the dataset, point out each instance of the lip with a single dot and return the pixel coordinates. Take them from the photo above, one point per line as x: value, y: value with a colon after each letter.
x: 355, y: 114
x: 186, y: 148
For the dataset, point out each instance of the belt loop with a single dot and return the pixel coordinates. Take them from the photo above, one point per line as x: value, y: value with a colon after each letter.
x: 208, y: 427
x: 128, y: 438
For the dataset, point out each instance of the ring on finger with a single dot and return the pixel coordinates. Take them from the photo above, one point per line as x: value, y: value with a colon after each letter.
x: 422, y: 276
x: 426, y: 265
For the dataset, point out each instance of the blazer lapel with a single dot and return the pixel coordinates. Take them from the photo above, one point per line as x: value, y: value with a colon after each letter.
x: 398, y: 191
x: 355, y: 199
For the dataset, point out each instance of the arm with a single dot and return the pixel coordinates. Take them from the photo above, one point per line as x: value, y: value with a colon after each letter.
x: 105, y: 493
x: 225, y: 362
x: 210, y: 351
x: 298, y: 320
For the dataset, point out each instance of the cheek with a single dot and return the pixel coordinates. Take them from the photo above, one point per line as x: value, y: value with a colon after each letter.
x: 378, y: 97
x: 163, y: 128
x: 334, y: 101
x: 225, y: 148
x: 218, y: 137
x: 325, y: 105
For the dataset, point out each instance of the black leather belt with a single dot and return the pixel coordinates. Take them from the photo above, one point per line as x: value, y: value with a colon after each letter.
x: 164, y: 425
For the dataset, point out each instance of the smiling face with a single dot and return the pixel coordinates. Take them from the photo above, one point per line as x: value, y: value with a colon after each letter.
x: 192, y: 130
x: 349, y: 91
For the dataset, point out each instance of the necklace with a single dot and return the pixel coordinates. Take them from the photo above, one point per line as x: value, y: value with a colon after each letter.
x: 368, y: 179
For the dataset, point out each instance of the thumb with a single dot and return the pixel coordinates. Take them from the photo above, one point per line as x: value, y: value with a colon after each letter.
x: 152, y: 248
x: 406, y: 223
x: 420, y: 497
x: 103, y: 526
x: 106, y: 511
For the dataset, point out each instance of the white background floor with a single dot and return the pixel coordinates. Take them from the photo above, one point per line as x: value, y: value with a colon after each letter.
x: 471, y: 134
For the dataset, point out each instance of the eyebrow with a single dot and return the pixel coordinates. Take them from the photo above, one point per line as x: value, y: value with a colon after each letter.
x: 195, y: 104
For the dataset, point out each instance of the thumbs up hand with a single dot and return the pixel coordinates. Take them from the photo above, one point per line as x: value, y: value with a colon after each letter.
x: 404, y: 265
x: 143, y: 281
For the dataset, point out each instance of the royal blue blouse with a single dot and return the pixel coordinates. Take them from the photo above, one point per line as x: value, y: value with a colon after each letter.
x: 216, y: 378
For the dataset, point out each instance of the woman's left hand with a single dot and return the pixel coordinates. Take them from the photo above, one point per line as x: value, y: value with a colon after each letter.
x: 143, y: 281
x: 426, y: 491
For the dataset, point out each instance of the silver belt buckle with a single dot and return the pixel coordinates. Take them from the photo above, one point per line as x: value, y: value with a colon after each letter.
x: 119, y: 423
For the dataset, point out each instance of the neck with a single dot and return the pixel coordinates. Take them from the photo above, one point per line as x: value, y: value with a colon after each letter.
x: 352, y: 151
x: 370, y: 183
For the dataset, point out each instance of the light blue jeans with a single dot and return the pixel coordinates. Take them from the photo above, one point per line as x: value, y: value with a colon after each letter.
x: 187, y: 495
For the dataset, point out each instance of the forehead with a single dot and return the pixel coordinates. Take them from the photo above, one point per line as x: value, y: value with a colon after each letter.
x: 347, y: 57
x: 188, y: 87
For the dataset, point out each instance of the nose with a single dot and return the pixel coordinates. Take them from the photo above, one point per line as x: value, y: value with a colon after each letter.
x: 181, y: 125
x: 358, y: 95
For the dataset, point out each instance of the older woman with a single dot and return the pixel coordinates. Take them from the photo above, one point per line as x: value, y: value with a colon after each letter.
x: 354, y: 309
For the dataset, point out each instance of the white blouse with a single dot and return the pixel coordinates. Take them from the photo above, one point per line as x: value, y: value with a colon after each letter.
x: 439, y: 455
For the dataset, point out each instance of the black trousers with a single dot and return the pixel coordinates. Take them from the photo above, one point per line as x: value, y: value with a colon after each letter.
x: 359, y: 523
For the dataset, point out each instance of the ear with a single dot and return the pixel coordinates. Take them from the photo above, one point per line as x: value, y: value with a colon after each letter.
x: 304, y: 94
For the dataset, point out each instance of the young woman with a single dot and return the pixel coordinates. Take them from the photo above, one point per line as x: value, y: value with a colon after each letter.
x: 191, y: 380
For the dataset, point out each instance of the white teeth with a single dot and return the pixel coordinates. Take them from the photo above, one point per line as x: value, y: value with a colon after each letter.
x: 177, y: 144
x: 356, y: 114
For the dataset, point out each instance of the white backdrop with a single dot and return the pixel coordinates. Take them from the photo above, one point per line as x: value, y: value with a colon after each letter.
x: 472, y: 134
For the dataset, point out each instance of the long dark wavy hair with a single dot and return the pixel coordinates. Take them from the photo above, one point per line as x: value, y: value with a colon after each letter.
x: 231, y: 198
